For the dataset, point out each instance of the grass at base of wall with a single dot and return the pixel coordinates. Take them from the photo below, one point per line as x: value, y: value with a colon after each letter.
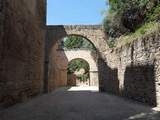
x: 146, y: 29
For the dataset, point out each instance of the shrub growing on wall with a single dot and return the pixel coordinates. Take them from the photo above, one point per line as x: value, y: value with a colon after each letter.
x: 126, y: 16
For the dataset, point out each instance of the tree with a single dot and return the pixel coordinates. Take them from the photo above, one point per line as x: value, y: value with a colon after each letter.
x: 76, y: 65
x: 72, y: 42
x: 125, y: 16
x: 77, y: 42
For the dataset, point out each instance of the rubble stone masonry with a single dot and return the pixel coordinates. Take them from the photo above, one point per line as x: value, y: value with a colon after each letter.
x: 137, y: 67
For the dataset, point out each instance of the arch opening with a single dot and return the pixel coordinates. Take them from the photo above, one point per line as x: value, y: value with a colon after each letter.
x: 75, y: 41
x: 78, y: 72
x: 64, y: 53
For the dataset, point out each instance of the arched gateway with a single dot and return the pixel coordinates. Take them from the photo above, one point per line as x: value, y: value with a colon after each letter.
x: 55, y: 66
x: 86, y: 55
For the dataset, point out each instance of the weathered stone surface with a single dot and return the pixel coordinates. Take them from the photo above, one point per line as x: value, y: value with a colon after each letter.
x: 138, y: 72
x: 21, y: 50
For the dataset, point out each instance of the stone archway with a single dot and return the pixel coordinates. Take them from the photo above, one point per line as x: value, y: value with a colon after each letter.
x: 91, y: 59
x: 59, y: 62
x: 93, y: 33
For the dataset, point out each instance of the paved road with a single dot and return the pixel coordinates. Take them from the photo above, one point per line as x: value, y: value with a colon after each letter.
x: 73, y: 104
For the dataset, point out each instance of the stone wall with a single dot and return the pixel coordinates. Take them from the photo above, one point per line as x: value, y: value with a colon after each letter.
x: 133, y: 70
x: 21, y: 49
x: 57, y: 69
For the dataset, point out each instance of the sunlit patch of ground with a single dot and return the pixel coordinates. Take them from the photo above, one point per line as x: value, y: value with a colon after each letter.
x: 84, y: 88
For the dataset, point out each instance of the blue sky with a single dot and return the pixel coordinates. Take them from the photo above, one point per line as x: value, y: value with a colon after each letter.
x: 66, y: 12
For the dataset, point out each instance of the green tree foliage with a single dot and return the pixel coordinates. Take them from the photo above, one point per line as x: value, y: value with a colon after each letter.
x: 153, y: 14
x: 83, y: 77
x: 72, y: 42
x: 77, y: 42
x: 125, y: 16
x: 76, y: 65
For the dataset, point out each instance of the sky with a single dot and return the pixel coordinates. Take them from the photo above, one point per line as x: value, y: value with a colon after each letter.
x: 75, y: 12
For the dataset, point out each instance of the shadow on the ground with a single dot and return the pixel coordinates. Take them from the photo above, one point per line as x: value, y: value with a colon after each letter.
x: 63, y: 104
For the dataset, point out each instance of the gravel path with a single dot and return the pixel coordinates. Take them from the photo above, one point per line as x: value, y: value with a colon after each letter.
x: 74, y: 104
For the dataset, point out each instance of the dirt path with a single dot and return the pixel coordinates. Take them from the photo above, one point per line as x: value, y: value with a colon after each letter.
x: 73, y: 104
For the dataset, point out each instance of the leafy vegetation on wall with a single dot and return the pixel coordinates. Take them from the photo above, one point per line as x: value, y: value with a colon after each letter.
x: 127, y: 16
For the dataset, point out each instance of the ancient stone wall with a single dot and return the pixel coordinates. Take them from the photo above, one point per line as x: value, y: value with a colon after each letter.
x: 57, y: 69
x: 21, y: 49
x: 133, y: 70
